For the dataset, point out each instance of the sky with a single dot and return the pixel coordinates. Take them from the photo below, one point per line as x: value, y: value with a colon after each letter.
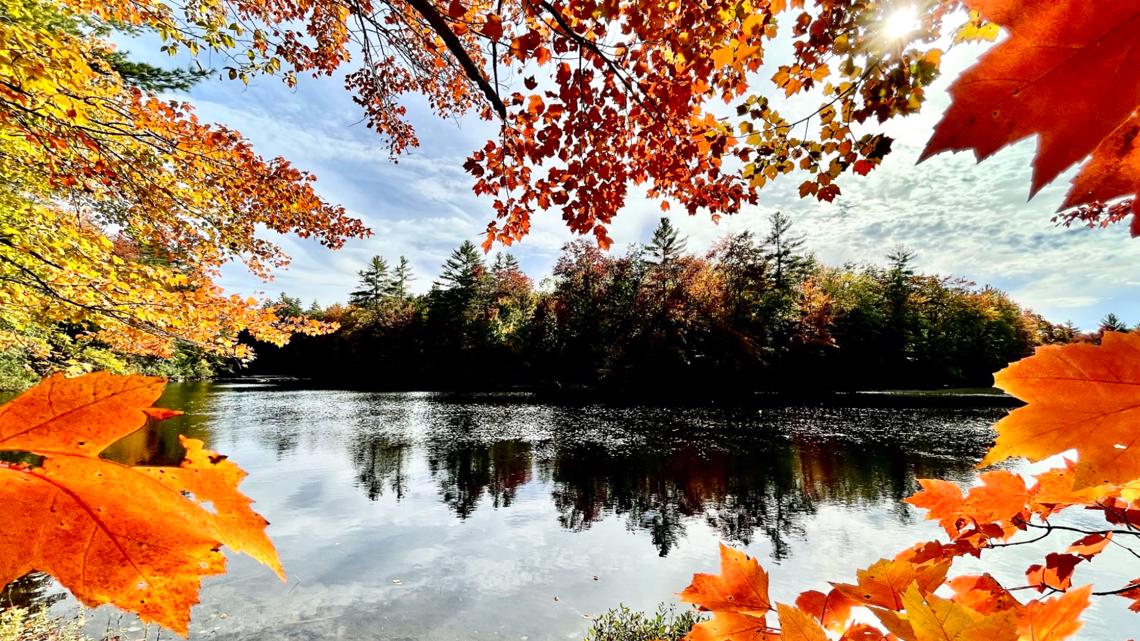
x: 960, y: 218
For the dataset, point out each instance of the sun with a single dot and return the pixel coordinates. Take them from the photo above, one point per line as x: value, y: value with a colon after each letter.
x: 900, y: 23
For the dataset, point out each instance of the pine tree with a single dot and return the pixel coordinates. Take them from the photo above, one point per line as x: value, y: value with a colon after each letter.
x: 505, y: 263
x: 898, y: 278
x: 667, y: 244
x: 287, y: 306
x: 784, y: 253
x: 401, y: 277
x: 897, y: 294
x: 463, y: 268
x: 375, y: 284
x: 1112, y: 323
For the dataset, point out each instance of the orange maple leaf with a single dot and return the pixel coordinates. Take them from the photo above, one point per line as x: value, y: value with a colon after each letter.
x: 111, y: 533
x: 982, y: 594
x: 1079, y: 396
x: 833, y: 609
x: 732, y: 626
x: 797, y: 625
x: 1091, y: 545
x: 884, y: 582
x: 1055, y: 574
x: 996, y: 509
x: 1054, y: 619
x: 933, y: 618
x: 1082, y: 51
x: 1113, y: 171
x: 1053, y: 491
x: 741, y: 586
x: 943, y: 502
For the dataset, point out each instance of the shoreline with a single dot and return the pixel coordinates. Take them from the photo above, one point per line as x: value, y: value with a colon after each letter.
x: 934, y: 398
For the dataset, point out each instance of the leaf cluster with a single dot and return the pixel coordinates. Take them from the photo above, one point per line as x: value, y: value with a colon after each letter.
x: 1081, y: 398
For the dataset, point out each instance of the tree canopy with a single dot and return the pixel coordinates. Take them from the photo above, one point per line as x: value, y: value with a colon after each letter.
x: 742, y: 318
x: 593, y: 97
x: 118, y: 207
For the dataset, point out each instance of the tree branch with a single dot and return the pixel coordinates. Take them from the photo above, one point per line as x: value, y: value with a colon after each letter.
x: 440, y: 26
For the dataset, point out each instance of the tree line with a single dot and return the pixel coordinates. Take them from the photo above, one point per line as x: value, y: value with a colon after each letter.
x: 753, y: 313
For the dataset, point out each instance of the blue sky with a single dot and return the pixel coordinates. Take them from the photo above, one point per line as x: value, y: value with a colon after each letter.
x: 959, y: 217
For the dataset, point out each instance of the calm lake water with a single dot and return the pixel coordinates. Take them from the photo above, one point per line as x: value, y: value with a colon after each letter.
x: 440, y: 517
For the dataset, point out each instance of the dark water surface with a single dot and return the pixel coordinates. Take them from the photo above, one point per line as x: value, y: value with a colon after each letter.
x: 439, y: 517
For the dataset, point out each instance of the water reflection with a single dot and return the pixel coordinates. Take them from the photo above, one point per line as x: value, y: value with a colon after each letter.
x: 482, y: 518
x: 381, y: 463
x: 466, y: 472
x: 35, y: 588
x: 745, y: 473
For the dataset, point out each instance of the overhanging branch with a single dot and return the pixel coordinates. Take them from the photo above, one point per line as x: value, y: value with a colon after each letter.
x: 440, y: 26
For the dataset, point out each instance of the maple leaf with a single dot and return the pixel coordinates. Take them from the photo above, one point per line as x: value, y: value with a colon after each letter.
x: 982, y: 594
x: 797, y: 625
x: 493, y: 27
x: 1091, y: 545
x: 1055, y: 574
x: 1133, y: 594
x: 1113, y: 170
x: 1053, y: 490
x: 1001, y: 495
x: 884, y: 582
x: 1054, y: 619
x: 943, y: 502
x: 1079, y: 396
x: 832, y: 609
x: 732, y: 626
x: 932, y: 618
x: 1083, y: 51
x: 741, y: 586
x: 864, y: 632
x: 107, y: 532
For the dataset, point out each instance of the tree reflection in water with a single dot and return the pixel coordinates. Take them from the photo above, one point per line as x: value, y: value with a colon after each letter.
x: 520, y: 470
x: 661, y: 474
x: 745, y: 472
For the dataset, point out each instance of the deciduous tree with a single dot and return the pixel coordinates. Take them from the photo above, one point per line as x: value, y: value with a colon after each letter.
x: 118, y: 208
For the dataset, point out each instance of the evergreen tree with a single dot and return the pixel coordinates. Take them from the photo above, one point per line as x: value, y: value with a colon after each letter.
x: 287, y: 306
x: 505, y: 263
x: 897, y: 292
x: 667, y: 244
x: 463, y: 268
x: 1112, y: 323
x: 741, y: 261
x: 783, y: 251
x: 315, y: 309
x: 375, y: 284
x: 1069, y: 331
x: 401, y: 277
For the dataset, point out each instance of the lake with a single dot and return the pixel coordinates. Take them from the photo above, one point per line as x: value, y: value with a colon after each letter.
x: 500, y: 516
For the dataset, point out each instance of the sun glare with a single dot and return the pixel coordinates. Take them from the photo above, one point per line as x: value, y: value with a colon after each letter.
x: 900, y: 23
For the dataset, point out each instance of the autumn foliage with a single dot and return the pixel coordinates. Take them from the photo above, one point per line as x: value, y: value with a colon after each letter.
x: 118, y: 208
x: 1080, y: 398
x: 593, y: 97
x: 140, y: 537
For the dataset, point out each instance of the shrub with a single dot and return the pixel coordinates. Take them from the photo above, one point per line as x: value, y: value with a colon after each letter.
x: 623, y: 624
x: 21, y: 624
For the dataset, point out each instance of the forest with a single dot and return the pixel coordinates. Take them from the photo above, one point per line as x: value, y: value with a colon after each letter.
x: 754, y: 313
